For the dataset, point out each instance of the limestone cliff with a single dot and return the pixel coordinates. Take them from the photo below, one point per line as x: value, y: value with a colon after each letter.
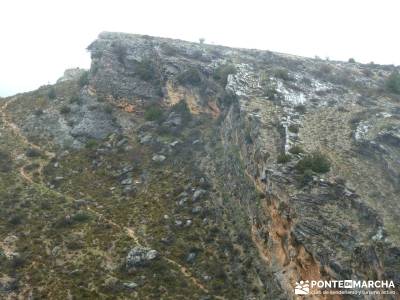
x: 176, y: 170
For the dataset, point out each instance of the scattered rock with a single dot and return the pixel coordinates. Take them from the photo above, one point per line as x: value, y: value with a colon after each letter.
x: 158, y: 158
x: 140, y: 256
x: 196, y: 209
x: 198, y: 194
x: 174, y: 143
x: 127, y: 181
x: 191, y: 257
x: 130, y: 285
x: 146, y: 139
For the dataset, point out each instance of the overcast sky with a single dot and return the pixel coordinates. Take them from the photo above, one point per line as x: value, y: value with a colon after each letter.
x: 41, y: 38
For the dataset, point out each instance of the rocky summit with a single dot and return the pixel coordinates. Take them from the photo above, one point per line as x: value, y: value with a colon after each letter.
x: 177, y: 170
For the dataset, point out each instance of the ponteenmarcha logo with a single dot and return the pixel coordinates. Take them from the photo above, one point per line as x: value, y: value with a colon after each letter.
x: 302, y: 288
x: 369, y: 287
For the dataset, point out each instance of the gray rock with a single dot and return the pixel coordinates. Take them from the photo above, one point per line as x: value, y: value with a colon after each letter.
x: 127, y: 181
x: 145, y: 139
x: 122, y: 142
x: 191, y: 257
x: 174, y: 143
x: 173, y: 120
x: 158, y: 158
x: 196, y: 210
x: 140, y: 256
x: 198, y: 194
x: 130, y: 285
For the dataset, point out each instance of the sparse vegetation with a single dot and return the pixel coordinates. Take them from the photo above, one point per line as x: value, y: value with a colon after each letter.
x: 108, y: 109
x: 283, y: 158
x: 301, y: 108
x: 84, y: 79
x: 38, y: 112
x: 316, y: 162
x: 282, y: 74
x: 81, y: 216
x: 91, y: 144
x: 393, y: 82
x: 296, y: 150
x: 153, y: 113
x: 5, y: 162
x: 146, y: 70
x: 51, y: 93
x: 293, y: 128
x: 221, y: 73
x: 75, y: 99
x: 305, y: 177
x: 65, y: 109
x: 183, y: 110
x: 32, y: 152
x: 120, y: 51
x: 190, y: 76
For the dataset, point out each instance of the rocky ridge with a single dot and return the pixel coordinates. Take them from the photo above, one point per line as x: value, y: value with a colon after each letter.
x: 191, y: 154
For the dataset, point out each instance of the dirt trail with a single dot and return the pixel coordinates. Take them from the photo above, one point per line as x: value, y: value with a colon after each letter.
x: 130, y: 232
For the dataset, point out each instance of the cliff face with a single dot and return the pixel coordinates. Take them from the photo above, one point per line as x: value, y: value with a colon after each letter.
x: 181, y: 170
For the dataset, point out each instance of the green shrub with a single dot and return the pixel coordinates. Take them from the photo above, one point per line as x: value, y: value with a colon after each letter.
x: 120, y: 51
x: 247, y: 138
x: 325, y: 69
x: 183, y: 110
x: 301, y: 108
x: 145, y: 70
x: 153, y: 113
x: 283, y: 158
x: 5, y: 162
x: 32, y: 152
x: 190, y: 76
x: 15, y: 219
x: 84, y: 79
x: 81, y: 216
x: 296, y: 150
x: 316, y: 162
x: 352, y: 60
x: 270, y: 92
x: 65, y: 110
x: 282, y: 74
x: 393, y: 82
x: 75, y: 99
x: 108, y: 109
x: 52, y: 93
x: 293, y: 128
x: 91, y: 144
x: 169, y: 49
x: 38, y: 112
x: 305, y: 177
x: 221, y: 73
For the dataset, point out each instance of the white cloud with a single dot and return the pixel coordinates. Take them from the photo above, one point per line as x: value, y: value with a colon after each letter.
x: 39, y: 39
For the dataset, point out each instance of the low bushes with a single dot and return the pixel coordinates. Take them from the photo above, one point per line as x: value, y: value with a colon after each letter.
x: 52, y: 93
x: 5, y: 162
x: 316, y: 162
x: 296, y: 150
x: 221, y: 73
x: 190, y: 76
x: 65, y: 110
x: 393, y: 82
x: 153, y: 113
x: 84, y: 79
x: 145, y: 70
x: 283, y: 158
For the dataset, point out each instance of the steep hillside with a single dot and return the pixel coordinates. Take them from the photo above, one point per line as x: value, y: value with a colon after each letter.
x: 175, y: 170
